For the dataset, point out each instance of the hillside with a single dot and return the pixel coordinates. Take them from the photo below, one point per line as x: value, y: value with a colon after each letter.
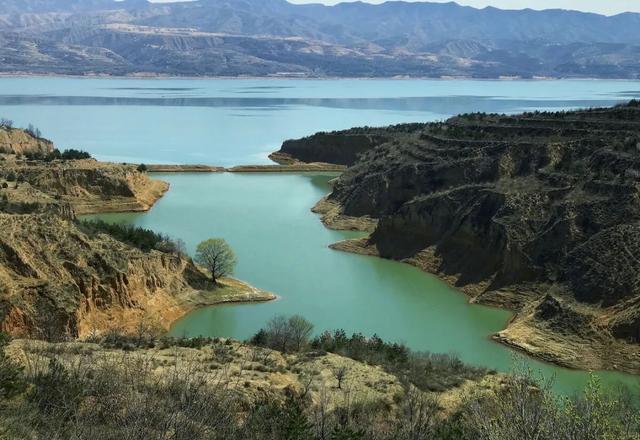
x: 333, y: 387
x: 61, y: 278
x: 274, y: 37
x: 536, y: 212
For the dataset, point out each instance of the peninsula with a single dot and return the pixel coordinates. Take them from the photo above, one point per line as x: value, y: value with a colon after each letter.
x: 61, y: 278
x: 537, y: 213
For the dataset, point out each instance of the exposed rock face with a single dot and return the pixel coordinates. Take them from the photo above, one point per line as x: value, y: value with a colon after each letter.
x: 58, y: 280
x: 17, y: 141
x: 342, y: 148
x: 506, y: 206
x: 87, y: 186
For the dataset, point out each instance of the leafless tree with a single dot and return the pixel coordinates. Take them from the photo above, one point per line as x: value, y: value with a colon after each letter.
x: 301, y: 330
x: 340, y: 373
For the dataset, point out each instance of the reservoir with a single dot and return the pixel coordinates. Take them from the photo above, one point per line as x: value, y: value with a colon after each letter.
x: 281, y: 246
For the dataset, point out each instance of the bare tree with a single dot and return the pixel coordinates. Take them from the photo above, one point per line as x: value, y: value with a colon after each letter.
x: 278, y: 333
x: 301, y: 330
x: 419, y: 415
x: 340, y: 373
x: 522, y: 411
x: 34, y: 131
x: 217, y: 256
x: 6, y: 123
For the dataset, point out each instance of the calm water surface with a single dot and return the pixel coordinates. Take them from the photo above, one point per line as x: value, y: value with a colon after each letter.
x: 281, y: 245
x: 231, y: 122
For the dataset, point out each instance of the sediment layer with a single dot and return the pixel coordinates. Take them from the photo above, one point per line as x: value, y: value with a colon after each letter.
x: 60, y: 280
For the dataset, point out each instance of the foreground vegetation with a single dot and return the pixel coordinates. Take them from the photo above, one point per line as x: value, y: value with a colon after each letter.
x: 63, y: 392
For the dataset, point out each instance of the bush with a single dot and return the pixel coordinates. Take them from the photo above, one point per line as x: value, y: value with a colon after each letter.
x: 285, y: 335
x: 73, y: 154
x: 34, y: 131
x: 12, y: 382
x: 426, y: 371
x: 142, y: 168
x: 6, y: 123
x: 144, y: 239
x: 70, y: 154
x: 76, y: 394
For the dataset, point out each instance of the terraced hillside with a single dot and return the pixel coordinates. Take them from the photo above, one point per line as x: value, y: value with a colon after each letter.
x: 537, y: 212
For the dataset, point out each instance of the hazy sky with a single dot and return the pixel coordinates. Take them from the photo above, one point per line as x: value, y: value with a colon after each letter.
x: 601, y: 6
x: 608, y: 7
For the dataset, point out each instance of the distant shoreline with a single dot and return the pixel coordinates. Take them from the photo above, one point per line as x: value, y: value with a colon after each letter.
x: 302, y: 78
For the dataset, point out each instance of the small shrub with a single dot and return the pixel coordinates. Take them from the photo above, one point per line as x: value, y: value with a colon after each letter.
x: 34, y: 131
x: 12, y: 382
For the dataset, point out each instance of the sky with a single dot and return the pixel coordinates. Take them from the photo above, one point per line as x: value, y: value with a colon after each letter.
x: 608, y: 7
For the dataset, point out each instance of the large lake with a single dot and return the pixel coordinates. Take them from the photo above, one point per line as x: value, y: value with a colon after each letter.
x: 281, y: 245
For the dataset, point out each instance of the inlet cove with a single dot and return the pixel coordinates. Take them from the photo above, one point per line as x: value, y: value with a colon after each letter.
x: 283, y: 247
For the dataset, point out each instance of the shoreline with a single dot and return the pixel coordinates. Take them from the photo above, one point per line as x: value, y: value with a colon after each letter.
x: 167, y: 303
x: 259, y: 168
x: 230, y: 291
x: 178, y: 305
x: 293, y: 77
x: 571, y: 354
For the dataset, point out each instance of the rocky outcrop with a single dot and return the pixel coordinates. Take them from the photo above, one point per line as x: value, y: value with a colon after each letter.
x: 509, y: 208
x: 61, y: 281
x: 87, y: 186
x: 338, y: 147
x: 17, y: 141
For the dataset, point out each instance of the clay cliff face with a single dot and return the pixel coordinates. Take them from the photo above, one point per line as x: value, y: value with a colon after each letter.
x: 17, y: 141
x: 59, y: 281
x: 87, y: 186
x: 519, y: 211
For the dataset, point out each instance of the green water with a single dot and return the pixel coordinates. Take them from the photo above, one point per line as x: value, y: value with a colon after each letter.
x: 282, y: 247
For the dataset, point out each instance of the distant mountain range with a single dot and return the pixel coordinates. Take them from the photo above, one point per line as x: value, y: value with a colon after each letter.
x: 274, y: 37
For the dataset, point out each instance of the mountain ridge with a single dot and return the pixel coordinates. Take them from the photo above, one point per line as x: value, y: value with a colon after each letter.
x: 419, y: 39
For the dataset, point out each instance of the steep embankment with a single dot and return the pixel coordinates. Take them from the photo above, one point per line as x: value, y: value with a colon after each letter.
x: 58, y: 280
x: 538, y: 213
x: 88, y: 186
x: 17, y: 141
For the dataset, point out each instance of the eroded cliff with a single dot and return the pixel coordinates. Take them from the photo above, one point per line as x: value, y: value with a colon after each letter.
x: 536, y: 212
x: 87, y: 186
x: 18, y: 141
x: 60, y: 279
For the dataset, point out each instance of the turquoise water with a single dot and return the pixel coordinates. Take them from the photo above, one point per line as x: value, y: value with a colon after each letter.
x: 281, y: 245
x: 231, y: 122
